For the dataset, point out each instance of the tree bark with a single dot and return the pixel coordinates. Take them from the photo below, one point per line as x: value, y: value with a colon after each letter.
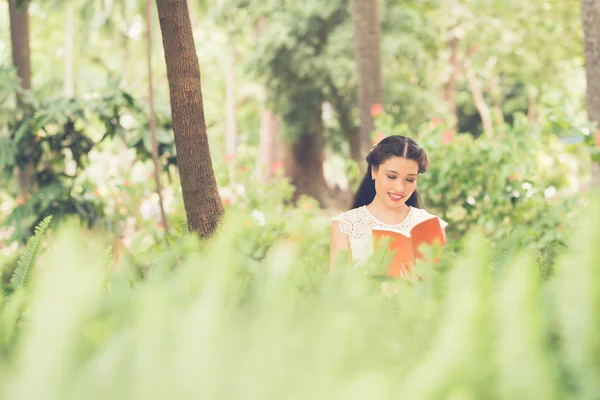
x: 201, y: 199
x: 19, y: 36
x: 270, y: 152
x: 590, y: 17
x: 480, y: 104
x: 152, y: 117
x: 69, y: 84
x: 304, y: 158
x: 21, y: 55
x: 367, y: 52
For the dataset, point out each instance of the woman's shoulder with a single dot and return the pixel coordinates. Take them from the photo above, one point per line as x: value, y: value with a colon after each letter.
x: 420, y: 215
x: 352, y: 215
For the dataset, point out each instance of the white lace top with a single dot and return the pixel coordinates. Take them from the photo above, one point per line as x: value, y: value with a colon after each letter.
x: 359, y: 222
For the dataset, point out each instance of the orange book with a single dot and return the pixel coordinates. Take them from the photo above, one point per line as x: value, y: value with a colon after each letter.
x: 406, y: 244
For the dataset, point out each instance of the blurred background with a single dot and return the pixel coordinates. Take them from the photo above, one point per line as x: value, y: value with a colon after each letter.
x: 503, y: 95
x: 295, y: 91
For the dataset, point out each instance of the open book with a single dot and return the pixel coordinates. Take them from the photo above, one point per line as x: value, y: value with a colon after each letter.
x: 406, y: 244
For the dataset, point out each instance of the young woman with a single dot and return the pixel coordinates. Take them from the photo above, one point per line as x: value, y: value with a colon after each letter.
x: 387, y: 197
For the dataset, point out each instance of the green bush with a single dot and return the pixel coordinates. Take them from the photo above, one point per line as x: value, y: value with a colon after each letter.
x: 207, y: 322
x: 505, y: 186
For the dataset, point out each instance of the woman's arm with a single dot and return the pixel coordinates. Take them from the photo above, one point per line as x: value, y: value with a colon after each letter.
x: 337, y: 242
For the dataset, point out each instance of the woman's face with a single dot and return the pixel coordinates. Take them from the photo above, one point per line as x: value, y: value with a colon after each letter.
x: 395, y: 181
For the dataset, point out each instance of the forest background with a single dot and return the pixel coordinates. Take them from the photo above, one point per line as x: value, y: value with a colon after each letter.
x: 107, y: 129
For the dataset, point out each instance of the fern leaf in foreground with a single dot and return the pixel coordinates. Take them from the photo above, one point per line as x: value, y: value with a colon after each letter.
x: 27, y: 260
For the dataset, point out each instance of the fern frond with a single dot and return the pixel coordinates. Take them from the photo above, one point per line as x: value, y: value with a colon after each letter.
x: 107, y: 257
x: 27, y: 260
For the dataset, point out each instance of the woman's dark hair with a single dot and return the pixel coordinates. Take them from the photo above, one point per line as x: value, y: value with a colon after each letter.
x: 399, y: 146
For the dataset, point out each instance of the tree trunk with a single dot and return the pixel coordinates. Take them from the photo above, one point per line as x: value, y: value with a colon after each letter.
x: 19, y: 36
x: 21, y: 55
x: 270, y: 152
x: 69, y: 85
x: 480, y: 104
x: 590, y: 16
x: 304, y: 158
x: 367, y: 52
x: 125, y: 59
x: 201, y: 199
x: 495, y: 93
x: 450, y: 86
x: 230, y: 113
x: 152, y: 117
x: 532, y: 106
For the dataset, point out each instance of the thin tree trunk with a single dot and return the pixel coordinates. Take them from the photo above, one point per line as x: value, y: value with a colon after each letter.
x: 126, y: 56
x: 496, y: 96
x: 19, y: 35
x: 450, y: 86
x: 590, y: 17
x: 480, y: 103
x: 230, y: 113
x: 21, y: 55
x: 532, y: 106
x: 270, y: 152
x: 152, y: 117
x: 69, y: 85
x: 343, y: 112
x: 367, y: 52
x: 201, y: 199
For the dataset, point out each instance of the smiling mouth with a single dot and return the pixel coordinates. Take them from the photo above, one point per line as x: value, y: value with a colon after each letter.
x: 396, y: 197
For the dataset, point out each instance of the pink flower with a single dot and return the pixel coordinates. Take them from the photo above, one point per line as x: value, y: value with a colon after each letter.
x: 379, y: 136
x: 598, y: 138
x: 376, y: 109
x: 20, y: 200
x: 229, y: 158
x: 448, y: 136
x: 277, y: 166
x: 435, y: 122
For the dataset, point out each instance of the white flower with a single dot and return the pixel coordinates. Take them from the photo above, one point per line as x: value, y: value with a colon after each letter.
x: 550, y: 192
x: 240, y: 190
x: 259, y: 217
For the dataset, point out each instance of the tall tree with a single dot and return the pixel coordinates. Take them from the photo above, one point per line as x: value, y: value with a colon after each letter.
x: 367, y: 50
x: 270, y: 151
x: 21, y: 54
x: 201, y: 199
x: 19, y: 36
x: 590, y: 16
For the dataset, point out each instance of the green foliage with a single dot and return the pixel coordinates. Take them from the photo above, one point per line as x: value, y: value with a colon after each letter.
x: 501, y: 187
x: 27, y: 261
x: 49, y: 144
x: 205, y: 321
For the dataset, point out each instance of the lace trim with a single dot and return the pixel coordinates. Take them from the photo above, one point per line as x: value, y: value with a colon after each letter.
x: 359, y: 222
